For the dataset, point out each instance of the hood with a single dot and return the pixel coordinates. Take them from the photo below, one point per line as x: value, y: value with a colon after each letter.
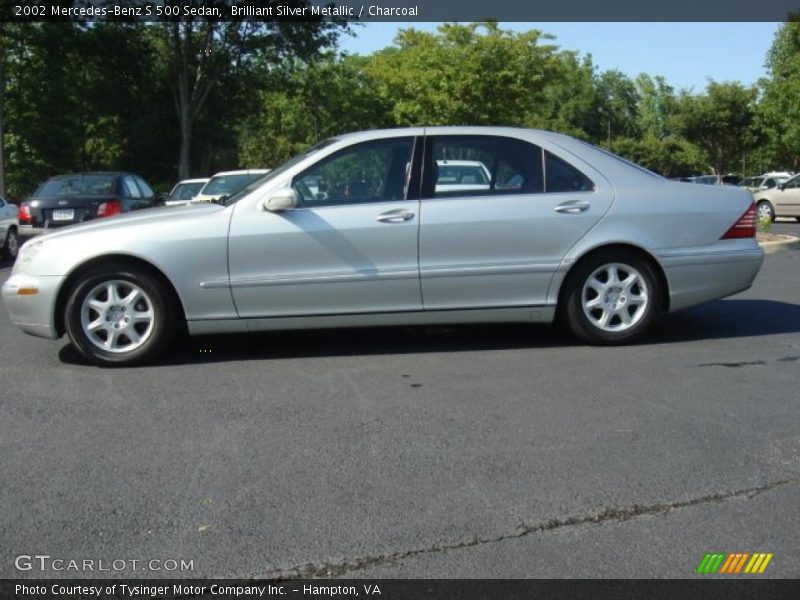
x: 185, y: 212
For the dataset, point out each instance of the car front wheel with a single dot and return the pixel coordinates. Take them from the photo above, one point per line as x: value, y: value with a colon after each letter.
x: 120, y: 317
x: 613, y: 298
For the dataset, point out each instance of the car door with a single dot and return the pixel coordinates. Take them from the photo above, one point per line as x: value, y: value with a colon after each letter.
x: 787, y: 199
x: 500, y: 244
x: 350, y: 245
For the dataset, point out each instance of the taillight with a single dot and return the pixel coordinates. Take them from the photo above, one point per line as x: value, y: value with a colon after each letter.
x: 24, y: 213
x: 745, y: 227
x: 110, y: 208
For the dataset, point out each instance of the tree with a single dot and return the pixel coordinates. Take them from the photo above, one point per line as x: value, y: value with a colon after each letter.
x: 201, y: 53
x: 303, y: 103
x: 720, y: 122
x: 617, y: 102
x: 671, y: 156
x: 779, y: 110
x: 656, y: 105
x: 473, y: 74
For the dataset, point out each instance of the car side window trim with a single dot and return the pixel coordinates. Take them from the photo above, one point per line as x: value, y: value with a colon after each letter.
x: 413, y: 185
x: 430, y: 169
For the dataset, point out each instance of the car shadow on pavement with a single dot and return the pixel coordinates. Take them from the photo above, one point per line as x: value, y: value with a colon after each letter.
x: 354, y: 342
x: 735, y: 318
x: 716, y: 320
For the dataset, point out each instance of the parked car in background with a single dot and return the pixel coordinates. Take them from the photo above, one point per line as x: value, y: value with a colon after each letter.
x: 9, y: 229
x: 69, y: 199
x: 227, y: 183
x: 781, y: 201
x: 767, y: 181
x: 185, y: 191
x: 605, y: 244
x: 464, y: 175
x: 716, y: 179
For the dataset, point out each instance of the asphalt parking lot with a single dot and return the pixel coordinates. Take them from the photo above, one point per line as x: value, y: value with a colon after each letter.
x: 480, y: 451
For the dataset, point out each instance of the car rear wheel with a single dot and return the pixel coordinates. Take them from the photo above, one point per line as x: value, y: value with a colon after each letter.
x: 612, y: 298
x: 765, y: 211
x: 11, y: 244
x: 120, y: 317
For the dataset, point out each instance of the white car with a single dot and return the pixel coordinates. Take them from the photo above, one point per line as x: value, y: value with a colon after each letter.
x: 184, y: 191
x: 767, y: 181
x: 227, y: 183
x: 9, y: 229
x: 783, y: 200
x: 462, y: 176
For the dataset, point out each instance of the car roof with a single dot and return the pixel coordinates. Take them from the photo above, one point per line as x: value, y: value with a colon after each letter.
x: 198, y: 180
x: 81, y: 174
x: 241, y: 172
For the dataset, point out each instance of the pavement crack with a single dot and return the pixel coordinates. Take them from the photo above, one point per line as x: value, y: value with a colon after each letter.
x: 607, y: 515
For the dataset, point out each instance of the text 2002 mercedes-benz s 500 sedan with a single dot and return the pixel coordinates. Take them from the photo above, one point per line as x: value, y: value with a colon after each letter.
x: 406, y: 226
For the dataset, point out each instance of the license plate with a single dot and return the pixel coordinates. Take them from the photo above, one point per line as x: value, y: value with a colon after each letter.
x: 63, y: 215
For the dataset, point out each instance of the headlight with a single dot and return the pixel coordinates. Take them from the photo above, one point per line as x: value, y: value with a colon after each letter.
x: 28, y: 252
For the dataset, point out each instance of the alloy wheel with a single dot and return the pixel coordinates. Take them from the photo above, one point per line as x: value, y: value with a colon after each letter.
x: 117, y: 316
x: 615, y: 297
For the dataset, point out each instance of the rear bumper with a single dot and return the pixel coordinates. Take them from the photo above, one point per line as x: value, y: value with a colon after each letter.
x: 33, y: 313
x: 698, y: 275
x: 43, y: 216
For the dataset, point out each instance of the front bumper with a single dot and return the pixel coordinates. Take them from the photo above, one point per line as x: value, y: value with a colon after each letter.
x: 34, y: 313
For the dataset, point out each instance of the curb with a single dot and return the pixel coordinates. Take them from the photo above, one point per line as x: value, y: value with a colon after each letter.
x: 789, y: 243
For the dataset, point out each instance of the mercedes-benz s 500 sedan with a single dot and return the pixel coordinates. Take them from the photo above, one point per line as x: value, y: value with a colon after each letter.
x: 359, y: 231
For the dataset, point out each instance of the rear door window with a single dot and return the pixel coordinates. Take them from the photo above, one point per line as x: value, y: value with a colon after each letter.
x: 472, y: 165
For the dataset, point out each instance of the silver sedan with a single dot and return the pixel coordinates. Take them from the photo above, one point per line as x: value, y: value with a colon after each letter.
x: 371, y: 229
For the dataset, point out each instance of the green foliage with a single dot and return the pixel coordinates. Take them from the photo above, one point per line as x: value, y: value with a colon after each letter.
x: 779, y: 109
x: 304, y: 103
x: 671, y: 156
x: 198, y: 97
x: 463, y: 76
x: 765, y: 224
x: 720, y: 122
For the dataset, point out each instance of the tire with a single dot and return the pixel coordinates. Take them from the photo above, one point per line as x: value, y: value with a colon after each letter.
x: 120, y: 316
x: 764, y: 209
x: 11, y: 244
x: 596, y: 305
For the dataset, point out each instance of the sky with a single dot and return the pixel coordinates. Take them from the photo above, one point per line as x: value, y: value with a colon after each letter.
x: 687, y: 54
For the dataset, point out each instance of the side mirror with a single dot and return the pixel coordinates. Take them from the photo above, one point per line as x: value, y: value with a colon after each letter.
x: 284, y: 199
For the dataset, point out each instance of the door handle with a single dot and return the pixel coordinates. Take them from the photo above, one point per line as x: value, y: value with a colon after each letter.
x: 572, y: 207
x: 398, y: 215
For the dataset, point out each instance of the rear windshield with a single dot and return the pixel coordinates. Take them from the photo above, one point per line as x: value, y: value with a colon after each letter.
x: 228, y: 184
x: 78, y: 185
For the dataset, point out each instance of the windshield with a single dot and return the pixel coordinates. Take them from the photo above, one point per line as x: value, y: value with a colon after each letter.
x: 228, y: 184
x: 78, y: 185
x: 278, y: 171
x: 186, y: 191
